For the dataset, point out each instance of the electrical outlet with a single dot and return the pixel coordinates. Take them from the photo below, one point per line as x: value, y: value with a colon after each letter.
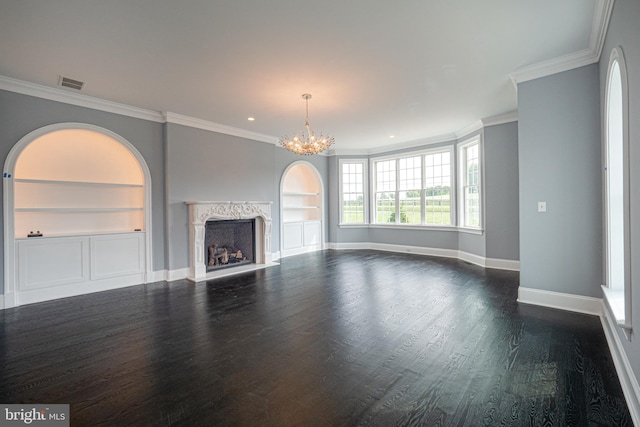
x: 542, y: 206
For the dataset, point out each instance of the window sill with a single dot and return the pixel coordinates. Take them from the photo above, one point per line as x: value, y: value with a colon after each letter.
x: 615, y: 301
x: 415, y: 227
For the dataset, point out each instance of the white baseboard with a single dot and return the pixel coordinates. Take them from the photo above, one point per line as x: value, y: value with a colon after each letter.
x: 178, y: 274
x: 1, y: 302
x: 302, y: 250
x: 628, y: 380
x: 275, y: 256
x: 559, y: 300
x: 501, y: 264
x: 75, y: 289
x: 157, y: 276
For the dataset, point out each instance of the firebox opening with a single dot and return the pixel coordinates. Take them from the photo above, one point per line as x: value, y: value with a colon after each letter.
x: 229, y: 243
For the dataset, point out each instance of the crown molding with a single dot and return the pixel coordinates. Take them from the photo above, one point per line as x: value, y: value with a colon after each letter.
x: 590, y: 55
x: 469, y: 129
x: 476, y: 126
x: 500, y: 119
x: 78, y: 99
x: 599, y: 26
x: 395, y: 147
x: 553, y: 66
x: 180, y: 119
x: 81, y: 100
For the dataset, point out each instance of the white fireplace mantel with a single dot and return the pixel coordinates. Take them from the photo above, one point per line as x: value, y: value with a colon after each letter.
x: 201, y: 211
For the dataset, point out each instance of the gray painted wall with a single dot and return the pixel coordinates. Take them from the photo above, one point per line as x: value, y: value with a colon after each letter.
x: 209, y: 166
x: 21, y: 114
x: 624, y: 31
x: 559, y: 160
x: 501, y: 191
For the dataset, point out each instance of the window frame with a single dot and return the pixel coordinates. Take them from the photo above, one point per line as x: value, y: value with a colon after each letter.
x: 397, y: 158
x: 618, y: 299
x: 365, y: 187
x: 462, y: 183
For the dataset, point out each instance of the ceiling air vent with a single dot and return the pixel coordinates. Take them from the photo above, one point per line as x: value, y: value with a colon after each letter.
x: 70, y: 83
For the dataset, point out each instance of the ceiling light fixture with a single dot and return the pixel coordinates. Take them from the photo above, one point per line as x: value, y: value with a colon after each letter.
x: 309, y: 143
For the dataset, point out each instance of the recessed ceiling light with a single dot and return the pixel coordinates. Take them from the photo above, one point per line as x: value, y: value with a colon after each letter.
x: 392, y: 136
x: 251, y: 119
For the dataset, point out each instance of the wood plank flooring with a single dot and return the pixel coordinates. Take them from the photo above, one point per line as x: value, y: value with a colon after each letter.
x: 332, y: 338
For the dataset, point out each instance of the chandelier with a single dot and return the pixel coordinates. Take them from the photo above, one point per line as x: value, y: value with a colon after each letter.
x: 306, y: 143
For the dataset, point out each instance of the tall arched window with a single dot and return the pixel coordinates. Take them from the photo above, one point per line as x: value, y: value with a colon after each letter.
x: 616, y: 172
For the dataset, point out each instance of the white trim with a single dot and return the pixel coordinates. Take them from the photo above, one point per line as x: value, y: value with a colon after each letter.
x: 590, y: 55
x: 2, y: 302
x: 157, y: 276
x: 469, y: 129
x: 500, y: 264
x: 617, y: 56
x: 461, y: 181
x: 601, y: 18
x: 302, y: 250
x: 626, y: 376
x: 365, y: 189
x: 178, y: 274
x: 75, y: 289
x: 500, y: 119
x: 559, y: 300
x: 449, y: 137
x: 78, y: 99
x: 275, y: 256
x: 553, y: 66
x: 179, y: 119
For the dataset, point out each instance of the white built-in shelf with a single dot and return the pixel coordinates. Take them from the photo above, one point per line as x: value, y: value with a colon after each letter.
x: 78, y: 183
x: 299, y: 193
x: 66, y: 210
x: 80, y: 234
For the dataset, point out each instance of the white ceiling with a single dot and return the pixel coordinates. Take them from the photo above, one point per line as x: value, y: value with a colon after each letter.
x: 410, y: 68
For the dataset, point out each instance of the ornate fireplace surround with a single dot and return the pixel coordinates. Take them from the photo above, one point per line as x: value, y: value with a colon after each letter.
x: 201, y: 212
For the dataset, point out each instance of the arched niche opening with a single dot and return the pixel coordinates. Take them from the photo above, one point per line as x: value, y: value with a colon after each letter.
x: 77, y: 208
x: 302, y: 209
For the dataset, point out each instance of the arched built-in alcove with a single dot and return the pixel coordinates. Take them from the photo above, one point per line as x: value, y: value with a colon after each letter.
x: 302, y: 209
x: 77, y: 210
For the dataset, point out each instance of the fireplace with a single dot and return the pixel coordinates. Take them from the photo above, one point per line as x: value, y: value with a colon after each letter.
x: 229, y: 243
x: 203, y: 214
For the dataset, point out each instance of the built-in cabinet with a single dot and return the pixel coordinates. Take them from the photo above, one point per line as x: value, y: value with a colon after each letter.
x: 78, y: 215
x: 302, y: 211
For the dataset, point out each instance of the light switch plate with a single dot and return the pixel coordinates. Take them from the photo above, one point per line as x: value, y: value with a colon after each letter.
x: 542, y: 206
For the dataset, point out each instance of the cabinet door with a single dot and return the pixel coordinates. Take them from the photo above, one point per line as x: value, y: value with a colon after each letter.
x: 116, y: 255
x: 46, y: 263
x: 312, y: 233
x: 292, y: 235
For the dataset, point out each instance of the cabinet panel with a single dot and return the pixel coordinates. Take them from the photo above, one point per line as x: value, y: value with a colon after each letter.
x: 312, y: 233
x: 292, y: 235
x: 47, y: 263
x: 118, y: 255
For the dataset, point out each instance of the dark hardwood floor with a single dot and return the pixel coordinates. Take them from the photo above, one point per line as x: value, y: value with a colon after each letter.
x: 326, y: 339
